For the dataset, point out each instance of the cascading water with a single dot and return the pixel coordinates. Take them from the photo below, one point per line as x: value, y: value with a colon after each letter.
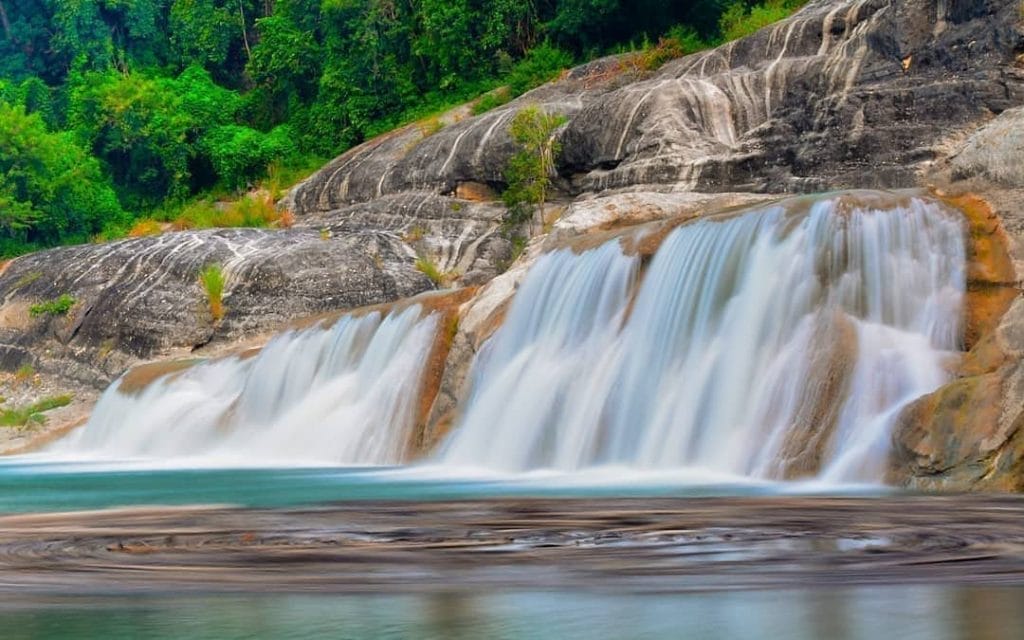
x: 781, y: 343
x: 343, y: 395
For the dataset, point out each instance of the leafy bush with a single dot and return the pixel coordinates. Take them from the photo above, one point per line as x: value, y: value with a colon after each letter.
x: 740, y: 20
x: 241, y: 155
x: 680, y: 41
x: 528, y: 173
x: 51, y: 190
x: 56, y: 307
x: 542, y: 64
x: 492, y: 100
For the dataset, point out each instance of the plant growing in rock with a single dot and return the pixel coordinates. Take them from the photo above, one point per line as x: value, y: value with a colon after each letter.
x: 212, y: 280
x: 492, y: 100
x: 56, y: 307
x: 528, y: 172
x: 25, y: 373
x: 414, y: 234
x: 33, y: 413
x: 427, y: 267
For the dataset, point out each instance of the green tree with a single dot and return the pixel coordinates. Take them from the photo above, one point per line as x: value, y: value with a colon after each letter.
x: 201, y: 33
x: 285, y: 63
x: 528, y: 172
x: 445, y: 43
x: 146, y: 129
x: 51, y: 190
x: 509, y: 26
x: 542, y: 64
x: 165, y: 99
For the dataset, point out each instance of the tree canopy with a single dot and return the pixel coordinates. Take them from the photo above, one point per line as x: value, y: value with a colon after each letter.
x: 112, y: 109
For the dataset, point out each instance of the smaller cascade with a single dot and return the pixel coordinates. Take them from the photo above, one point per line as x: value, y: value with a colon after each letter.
x: 539, y: 383
x: 346, y: 394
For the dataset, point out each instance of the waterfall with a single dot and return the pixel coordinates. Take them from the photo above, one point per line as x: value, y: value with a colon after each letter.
x: 347, y: 394
x: 781, y: 343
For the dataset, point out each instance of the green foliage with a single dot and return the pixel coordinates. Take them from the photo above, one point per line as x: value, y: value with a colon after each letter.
x: 56, y: 307
x: 212, y: 280
x: 679, y: 41
x: 198, y: 214
x: 115, y: 111
x: 286, y: 62
x: 201, y: 32
x: 528, y: 173
x: 147, y: 129
x: 541, y: 65
x: 427, y: 267
x: 740, y: 19
x: 33, y: 413
x: 51, y: 190
x: 492, y: 100
x: 240, y: 155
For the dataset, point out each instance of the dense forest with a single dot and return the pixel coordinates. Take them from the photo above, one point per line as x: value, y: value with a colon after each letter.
x: 116, y: 111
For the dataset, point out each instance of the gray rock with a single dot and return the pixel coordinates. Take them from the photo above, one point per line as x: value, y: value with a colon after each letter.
x: 849, y: 94
x: 995, y: 152
x: 460, y: 237
x: 140, y: 298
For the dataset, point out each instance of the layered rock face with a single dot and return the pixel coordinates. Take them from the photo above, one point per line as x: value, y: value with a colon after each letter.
x: 141, y: 298
x: 845, y: 94
x: 841, y: 95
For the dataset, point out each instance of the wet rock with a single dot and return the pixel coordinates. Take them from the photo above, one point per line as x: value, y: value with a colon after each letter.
x: 969, y: 434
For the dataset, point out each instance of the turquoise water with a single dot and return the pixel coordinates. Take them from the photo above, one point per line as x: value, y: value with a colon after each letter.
x: 27, y: 484
x: 908, y: 612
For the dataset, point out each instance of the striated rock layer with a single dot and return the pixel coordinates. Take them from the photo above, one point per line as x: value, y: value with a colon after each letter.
x: 141, y: 298
x: 847, y: 94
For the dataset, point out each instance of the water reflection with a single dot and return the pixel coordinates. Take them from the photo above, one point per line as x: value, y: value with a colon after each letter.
x: 929, y: 612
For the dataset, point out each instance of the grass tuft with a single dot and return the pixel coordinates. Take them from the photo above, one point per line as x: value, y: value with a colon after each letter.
x: 212, y: 280
x: 442, y: 279
x: 33, y: 413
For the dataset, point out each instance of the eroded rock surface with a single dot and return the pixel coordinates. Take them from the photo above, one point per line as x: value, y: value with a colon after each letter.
x: 141, y: 298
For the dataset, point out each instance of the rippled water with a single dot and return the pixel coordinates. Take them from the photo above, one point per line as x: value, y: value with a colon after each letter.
x: 869, y: 613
